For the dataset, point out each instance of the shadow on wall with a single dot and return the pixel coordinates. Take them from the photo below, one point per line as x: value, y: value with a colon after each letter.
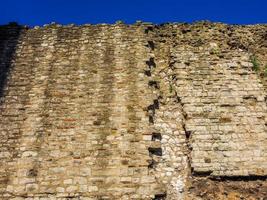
x: 9, y: 35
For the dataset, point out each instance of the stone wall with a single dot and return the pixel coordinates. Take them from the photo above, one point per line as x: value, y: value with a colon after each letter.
x: 142, y: 111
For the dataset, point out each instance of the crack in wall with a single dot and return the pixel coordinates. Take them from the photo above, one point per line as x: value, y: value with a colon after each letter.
x: 171, y: 78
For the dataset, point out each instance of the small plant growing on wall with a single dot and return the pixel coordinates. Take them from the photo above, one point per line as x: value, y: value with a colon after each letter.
x: 255, y: 63
x: 170, y: 88
x: 265, y: 70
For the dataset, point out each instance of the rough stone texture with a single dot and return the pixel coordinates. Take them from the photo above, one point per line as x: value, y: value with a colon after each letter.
x: 172, y: 111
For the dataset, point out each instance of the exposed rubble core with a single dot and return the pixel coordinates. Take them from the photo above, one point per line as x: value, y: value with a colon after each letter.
x: 172, y: 111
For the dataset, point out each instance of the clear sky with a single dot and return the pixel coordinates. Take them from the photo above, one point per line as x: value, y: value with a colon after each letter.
x: 39, y: 12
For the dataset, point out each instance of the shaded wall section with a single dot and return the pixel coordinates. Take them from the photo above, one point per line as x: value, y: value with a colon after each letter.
x: 9, y: 39
x: 9, y: 36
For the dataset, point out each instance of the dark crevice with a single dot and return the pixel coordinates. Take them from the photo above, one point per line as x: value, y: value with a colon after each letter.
x: 152, y: 164
x: 200, y: 174
x: 156, y: 104
x: 147, y: 72
x: 151, y: 45
x: 73, y: 197
x: 177, y: 99
x: 252, y: 97
x: 156, y: 136
x: 185, y: 30
x: 151, y: 109
x: 150, y: 28
x: 153, y: 106
x: 227, y: 105
x: 151, y: 63
x: 151, y: 112
x: 239, y: 178
x: 151, y: 120
x: 153, y: 84
x: 162, y: 196
x: 187, y: 63
x: 32, y: 172
x: 208, y: 174
x: 187, y: 133
x: 155, y: 151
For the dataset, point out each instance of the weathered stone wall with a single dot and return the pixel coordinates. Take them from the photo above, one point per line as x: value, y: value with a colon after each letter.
x: 212, y: 110
x: 139, y: 111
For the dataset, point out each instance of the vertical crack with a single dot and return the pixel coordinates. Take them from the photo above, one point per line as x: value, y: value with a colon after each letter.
x: 188, y: 134
x: 172, y: 82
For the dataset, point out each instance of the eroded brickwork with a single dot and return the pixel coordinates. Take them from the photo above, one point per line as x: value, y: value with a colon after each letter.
x: 139, y: 111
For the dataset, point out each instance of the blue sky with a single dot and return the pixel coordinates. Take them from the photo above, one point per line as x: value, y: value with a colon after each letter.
x: 39, y: 12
